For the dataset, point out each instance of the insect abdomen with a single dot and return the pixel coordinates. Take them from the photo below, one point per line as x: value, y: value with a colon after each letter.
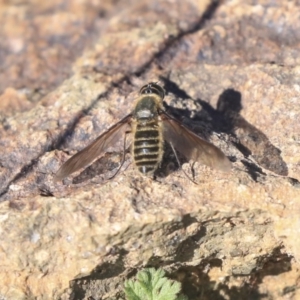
x: 148, y: 146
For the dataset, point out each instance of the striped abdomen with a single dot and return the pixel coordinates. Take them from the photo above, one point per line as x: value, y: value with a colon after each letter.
x: 147, y: 145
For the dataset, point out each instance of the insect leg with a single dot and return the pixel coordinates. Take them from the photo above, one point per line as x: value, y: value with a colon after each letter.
x: 123, y: 157
x: 174, y: 151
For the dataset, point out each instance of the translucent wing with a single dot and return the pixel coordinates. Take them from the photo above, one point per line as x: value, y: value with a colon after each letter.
x: 191, y: 145
x: 95, y: 149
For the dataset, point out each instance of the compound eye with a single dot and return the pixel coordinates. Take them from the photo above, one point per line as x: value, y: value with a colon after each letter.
x: 153, y: 88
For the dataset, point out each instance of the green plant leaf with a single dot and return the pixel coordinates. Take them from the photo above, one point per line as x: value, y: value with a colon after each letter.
x: 150, y: 284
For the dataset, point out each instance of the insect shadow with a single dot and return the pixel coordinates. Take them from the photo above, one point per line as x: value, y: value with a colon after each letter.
x: 248, y: 139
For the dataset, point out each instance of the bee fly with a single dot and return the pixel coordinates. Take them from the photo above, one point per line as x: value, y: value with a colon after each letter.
x: 149, y: 125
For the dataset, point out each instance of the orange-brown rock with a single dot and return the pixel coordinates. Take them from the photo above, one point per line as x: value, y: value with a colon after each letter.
x: 70, y: 70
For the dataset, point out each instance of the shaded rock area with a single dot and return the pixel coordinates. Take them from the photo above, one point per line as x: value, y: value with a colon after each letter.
x: 69, y: 70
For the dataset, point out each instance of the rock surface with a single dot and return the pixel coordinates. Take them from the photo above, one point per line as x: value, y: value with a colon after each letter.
x: 231, y: 70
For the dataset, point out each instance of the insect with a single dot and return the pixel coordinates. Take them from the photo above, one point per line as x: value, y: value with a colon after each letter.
x: 149, y: 126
